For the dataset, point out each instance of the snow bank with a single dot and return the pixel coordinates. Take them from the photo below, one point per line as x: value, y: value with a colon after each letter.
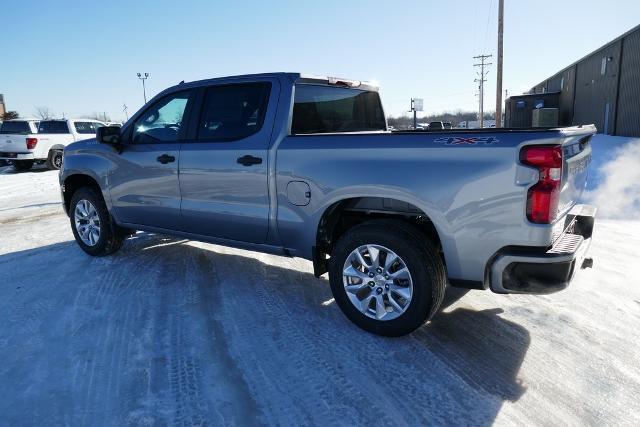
x: 614, y: 186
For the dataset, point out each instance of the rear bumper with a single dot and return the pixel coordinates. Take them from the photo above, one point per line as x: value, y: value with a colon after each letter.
x: 16, y: 156
x: 535, y: 271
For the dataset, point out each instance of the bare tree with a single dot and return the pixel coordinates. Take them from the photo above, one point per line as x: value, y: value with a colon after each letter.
x: 43, y: 113
x: 10, y: 115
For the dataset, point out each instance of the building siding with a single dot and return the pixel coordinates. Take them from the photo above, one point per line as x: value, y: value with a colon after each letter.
x: 610, y: 100
x: 628, y: 117
x: 596, y: 93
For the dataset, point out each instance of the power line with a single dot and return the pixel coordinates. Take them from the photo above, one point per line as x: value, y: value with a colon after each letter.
x: 482, y: 74
x: 486, y: 30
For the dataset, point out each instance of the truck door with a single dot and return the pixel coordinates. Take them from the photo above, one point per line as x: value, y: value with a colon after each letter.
x: 144, y: 185
x: 223, y: 167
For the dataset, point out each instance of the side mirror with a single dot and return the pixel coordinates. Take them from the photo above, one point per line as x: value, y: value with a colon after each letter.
x: 109, y: 135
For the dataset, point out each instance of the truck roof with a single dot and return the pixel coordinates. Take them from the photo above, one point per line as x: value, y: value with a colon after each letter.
x: 70, y: 120
x: 294, y: 77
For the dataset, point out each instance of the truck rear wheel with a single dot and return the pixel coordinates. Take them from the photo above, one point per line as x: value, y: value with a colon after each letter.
x: 54, y: 160
x: 22, y: 165
x: 92, y: 225
x: 386, y: 277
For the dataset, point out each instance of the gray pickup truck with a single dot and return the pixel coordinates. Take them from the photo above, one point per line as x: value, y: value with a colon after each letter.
x: 304, y: 166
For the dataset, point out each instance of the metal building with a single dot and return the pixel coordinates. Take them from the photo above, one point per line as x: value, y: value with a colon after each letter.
x: 602, y: 88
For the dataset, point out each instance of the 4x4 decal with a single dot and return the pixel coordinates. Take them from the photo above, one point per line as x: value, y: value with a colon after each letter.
x: 463, y: 140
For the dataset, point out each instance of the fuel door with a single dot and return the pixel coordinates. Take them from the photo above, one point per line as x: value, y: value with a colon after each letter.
x: 298, y: 193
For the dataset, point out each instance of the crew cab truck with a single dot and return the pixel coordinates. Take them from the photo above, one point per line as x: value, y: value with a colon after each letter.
x: 304, y: 166
x: 44, y: 141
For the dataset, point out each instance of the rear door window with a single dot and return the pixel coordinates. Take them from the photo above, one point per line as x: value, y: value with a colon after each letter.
x: 15, y: 128
x: 232, y: 112
x: 328, y: 109
x: 53, y: 126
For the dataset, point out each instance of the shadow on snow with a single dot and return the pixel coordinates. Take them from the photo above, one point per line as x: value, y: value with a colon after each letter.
x: 167, y: 332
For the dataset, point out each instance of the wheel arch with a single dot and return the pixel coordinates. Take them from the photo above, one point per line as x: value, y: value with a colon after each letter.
x: 74, y: 182
x: 343, y: 214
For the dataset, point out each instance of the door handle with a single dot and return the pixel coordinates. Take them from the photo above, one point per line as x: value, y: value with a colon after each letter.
x: 249, y: 160
x: 165, y: 158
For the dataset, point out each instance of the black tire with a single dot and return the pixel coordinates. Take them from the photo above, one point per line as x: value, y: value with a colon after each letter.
x: 111, y: 237
x: 419, y: 255
x: 54, y: 160
x: 22, y: 165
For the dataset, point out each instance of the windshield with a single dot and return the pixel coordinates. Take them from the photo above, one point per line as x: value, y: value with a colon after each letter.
x: 327, y: 109
x: 16, y: 128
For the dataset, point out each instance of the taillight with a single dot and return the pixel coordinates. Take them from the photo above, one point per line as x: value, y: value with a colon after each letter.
x: 542, y: 198
x: 31, y: 143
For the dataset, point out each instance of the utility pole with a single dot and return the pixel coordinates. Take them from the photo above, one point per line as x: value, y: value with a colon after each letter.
x: 481, y: 81
x: 415, y: 118
x: 499, y: 78
x: 144, y: 90
x: 124, y: 108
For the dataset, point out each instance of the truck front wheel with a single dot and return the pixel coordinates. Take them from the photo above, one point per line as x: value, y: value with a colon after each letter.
x: 54, y: 160
x: 92, y: 225
x: 386, y: 277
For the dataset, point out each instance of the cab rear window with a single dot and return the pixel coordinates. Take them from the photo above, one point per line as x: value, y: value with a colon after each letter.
x: 328, y: 109
x: 53, y: 126
x: 15, y: 128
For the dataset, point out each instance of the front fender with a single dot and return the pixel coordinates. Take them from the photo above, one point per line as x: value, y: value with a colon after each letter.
x: 92, y: 162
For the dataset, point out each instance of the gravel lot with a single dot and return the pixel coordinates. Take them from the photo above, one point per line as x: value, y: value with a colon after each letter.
x: 170, y: 331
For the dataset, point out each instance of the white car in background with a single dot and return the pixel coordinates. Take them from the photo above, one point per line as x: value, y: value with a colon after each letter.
x: 26, y: 142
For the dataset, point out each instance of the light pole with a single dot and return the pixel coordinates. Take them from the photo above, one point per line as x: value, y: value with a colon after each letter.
x: 144, y: 90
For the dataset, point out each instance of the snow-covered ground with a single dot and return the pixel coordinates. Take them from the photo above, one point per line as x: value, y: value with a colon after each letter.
x: 169, y: 331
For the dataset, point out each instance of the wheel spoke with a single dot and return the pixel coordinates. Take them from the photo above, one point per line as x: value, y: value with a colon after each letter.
x: 354, y: 289
x: 391, y: 258
x: 381, y: 310
x: 374, y: 254
x: 366, y: 303
x: 85, y: 233
x: 83, y: 208
x: 351, y: 271
x: 403, y: 273
x: 361, y: 259
x: 400, y: 290
x: 397, y: 307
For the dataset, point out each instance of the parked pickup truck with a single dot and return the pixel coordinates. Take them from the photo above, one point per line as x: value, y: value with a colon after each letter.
x: 44, y: 142
x: 304, y: 166
x: 15, y: 129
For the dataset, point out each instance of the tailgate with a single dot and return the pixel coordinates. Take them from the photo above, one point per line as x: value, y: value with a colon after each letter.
x: 13, y: 143
x: 576, y: 153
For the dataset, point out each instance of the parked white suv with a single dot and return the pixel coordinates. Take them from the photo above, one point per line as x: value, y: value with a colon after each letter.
x: 26, y: 142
